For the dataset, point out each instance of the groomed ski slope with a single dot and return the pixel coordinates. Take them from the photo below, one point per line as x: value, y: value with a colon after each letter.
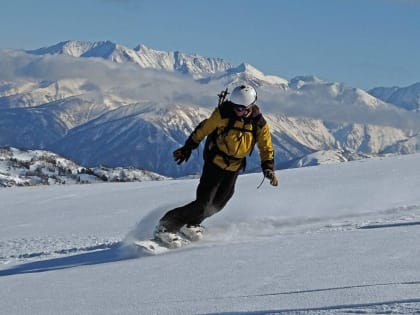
x: 331, y: 239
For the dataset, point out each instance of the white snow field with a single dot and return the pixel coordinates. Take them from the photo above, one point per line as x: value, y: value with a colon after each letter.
x: 331, y: 239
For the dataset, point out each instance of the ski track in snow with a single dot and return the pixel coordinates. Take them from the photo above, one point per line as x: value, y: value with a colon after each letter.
x: 270, y: 227
x: 34, y: 249
x: 409, y: 306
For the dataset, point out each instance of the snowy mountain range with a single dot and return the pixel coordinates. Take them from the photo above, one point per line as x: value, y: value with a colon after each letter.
x: 103, y: 103
x: 191, y: 64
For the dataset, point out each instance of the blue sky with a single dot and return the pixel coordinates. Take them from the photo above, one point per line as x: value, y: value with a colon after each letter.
x: 362, y: 43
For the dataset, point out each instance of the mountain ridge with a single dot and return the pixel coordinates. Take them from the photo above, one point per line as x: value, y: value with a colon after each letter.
x: 405, y: 97
x: 141, y: 55
x: 105, y: 110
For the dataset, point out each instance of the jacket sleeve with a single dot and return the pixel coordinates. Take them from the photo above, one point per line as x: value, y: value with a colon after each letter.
x: 264, y: 143
x: 206, y: 127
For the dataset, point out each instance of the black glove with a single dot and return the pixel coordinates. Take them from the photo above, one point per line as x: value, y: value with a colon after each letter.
x: 183, y: 153
x: 268, y: 171
x: 271, y: 176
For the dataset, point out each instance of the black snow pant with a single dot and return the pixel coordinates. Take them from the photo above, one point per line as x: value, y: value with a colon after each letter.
x: 215, y: 189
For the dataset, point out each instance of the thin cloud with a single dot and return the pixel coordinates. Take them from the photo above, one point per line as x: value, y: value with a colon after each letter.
x: 131, y: 81
x: 293, y: 103
x: 126, y: 80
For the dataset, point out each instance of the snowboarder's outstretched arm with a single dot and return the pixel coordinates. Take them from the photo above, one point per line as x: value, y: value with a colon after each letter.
x: 204, y: 128
x: 265, y: 147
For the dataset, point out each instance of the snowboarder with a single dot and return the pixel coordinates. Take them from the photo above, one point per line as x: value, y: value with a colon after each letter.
x: 232, y: 131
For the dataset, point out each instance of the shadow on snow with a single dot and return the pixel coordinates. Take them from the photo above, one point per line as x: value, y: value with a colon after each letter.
x: 115, y: 252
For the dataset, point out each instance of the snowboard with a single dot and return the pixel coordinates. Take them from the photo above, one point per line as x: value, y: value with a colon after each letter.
x: 151, y: 247
x: 155, y: 247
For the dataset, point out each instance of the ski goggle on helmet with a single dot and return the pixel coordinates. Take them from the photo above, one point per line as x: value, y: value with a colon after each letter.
x: 243, y: 97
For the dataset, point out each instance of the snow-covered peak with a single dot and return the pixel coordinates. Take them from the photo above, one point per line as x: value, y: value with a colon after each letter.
x: 72, y: 48
x: 192, y: 64
x: 299, y: 81
x: 103, y: 49
x: 252, y: 72
x: 405, y: 97
x: 245, y: 67
x: 245, y: 73
x: 142, y: 48
x: 248, y: 69
x: 359, y: 96
x: 318, y: 90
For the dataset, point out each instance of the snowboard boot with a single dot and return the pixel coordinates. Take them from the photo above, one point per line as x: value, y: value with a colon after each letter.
x: 168, y: 239
x: 192, y: 233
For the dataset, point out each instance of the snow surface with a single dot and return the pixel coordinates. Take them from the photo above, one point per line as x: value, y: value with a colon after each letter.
x: 331, y: 239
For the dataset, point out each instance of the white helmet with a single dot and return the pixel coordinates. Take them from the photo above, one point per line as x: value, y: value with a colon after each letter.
x: 244, y: 95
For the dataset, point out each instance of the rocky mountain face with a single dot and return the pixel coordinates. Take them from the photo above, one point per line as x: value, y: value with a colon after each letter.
x: 405, y: 97
x: 126, y: 107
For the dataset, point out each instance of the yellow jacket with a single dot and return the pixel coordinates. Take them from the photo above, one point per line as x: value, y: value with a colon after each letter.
x: 233, y: 143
